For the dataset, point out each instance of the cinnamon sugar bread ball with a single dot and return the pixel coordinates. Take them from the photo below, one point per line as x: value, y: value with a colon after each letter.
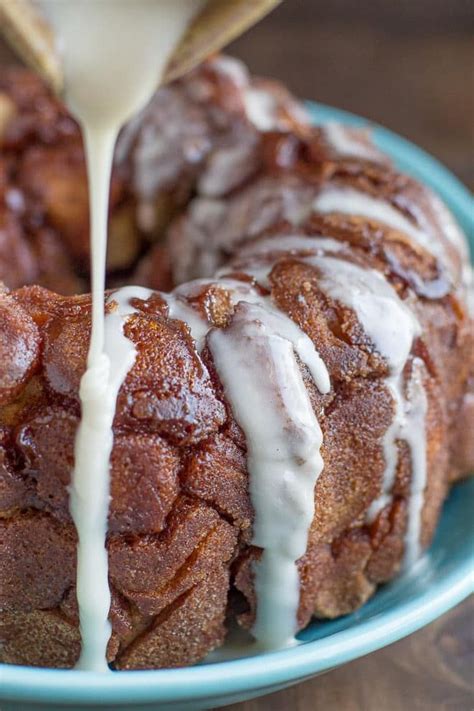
x: 182, y: 139
x: 316, y: 203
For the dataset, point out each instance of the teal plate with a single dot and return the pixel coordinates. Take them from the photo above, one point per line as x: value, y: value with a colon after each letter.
x: 441, y: 579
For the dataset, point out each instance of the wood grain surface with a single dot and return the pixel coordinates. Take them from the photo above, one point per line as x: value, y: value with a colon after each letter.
x: 432, y: 670
x: 410, y: 66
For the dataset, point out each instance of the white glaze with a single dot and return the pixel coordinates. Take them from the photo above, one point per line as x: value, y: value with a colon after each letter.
x: 392, y: 327
x: 228, y: 167
x: 386, y: 319
x: 256, y: 363
x: 259, y: 268
x: 434, y: 235
x: 450, y: 230
x: 231, y: 67
x: 276, y: 321
x: 346, y: 144
x: 98, y: 391
x: 114, y: 54
x: 176, y: 129
x: 261, y: 109
x: 270, y: 402
x: 178, y: 308
x: 267, y: 112
x: 165, y: 136
x: 290, y: 244
x: 468, y: 285
x: 414, y: 433
x: 354, y: 202
x: 254, y: 258
x: 255, y: 358
x: 448, y: 226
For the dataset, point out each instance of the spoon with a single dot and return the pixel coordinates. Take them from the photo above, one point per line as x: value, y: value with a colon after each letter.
x: 218, y: 23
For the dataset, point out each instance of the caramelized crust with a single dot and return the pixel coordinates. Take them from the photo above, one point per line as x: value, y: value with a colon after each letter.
x: 180, y: 522
x: 182, y: 140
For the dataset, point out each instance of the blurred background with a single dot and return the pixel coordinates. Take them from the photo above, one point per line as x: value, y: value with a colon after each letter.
x: 407, y: 64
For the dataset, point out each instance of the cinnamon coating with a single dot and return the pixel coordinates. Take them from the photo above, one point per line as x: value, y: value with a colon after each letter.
x: 182, y: 139
x: 180, y: 523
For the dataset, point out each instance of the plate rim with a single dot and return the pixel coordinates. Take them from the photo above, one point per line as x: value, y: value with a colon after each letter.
x: 20, y: 683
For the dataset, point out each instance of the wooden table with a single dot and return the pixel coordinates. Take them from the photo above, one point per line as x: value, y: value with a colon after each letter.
x: 407, y: 65
x: 432, y: 670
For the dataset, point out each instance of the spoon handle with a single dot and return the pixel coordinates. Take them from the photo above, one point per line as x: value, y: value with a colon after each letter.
x: 219, y: 22
x: 214, y: 27
x: 28, y: 33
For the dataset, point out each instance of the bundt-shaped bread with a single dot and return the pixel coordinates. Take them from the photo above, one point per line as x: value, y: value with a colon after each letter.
x: 310, y: 228
x: 180, y: 142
